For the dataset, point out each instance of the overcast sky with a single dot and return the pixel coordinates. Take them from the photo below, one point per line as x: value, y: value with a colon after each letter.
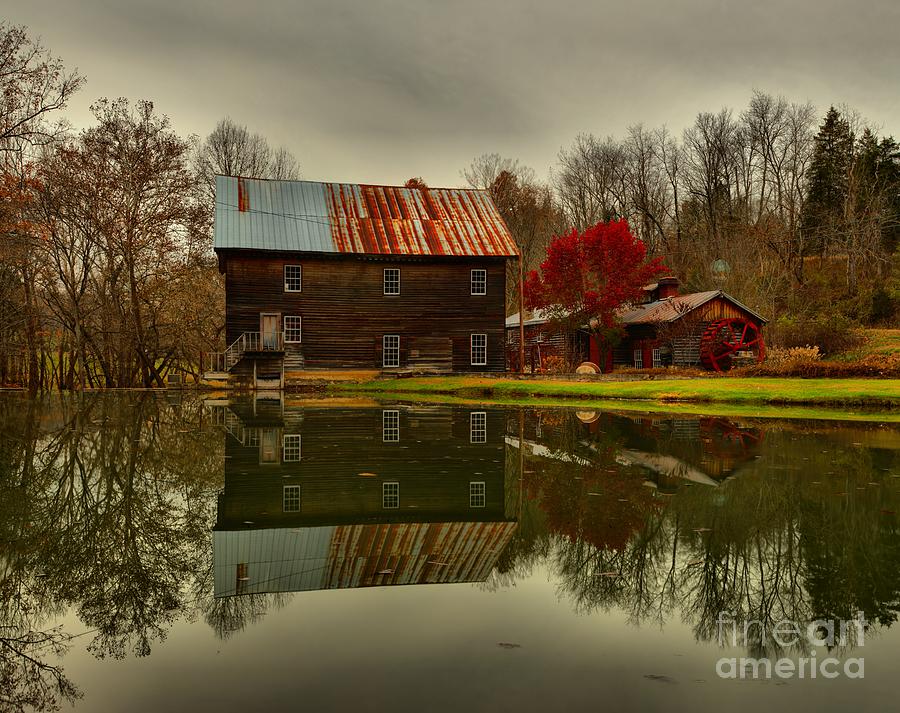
x: 376, y: 92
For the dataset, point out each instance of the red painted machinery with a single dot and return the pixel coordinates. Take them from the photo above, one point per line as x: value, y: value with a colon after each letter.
x: 728, y: 342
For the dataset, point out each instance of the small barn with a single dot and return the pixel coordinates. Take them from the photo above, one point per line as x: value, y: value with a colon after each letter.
x: 710, y: 329
x: 332, y: 276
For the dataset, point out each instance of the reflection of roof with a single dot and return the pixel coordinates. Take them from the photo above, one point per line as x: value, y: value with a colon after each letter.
x: 307, y: 216
x: 667, y: 310
x: 543, y: 452
x: 665, y: 465
x: 347, y: 556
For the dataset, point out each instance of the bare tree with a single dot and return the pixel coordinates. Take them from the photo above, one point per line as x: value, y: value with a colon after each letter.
x: 232, y: 150
x: 33, y: 85
x: 527, y: 208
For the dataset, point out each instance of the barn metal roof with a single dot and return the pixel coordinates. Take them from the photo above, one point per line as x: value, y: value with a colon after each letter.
x: 306, y: 216
x: 672, y: 308
x: 667, y: 310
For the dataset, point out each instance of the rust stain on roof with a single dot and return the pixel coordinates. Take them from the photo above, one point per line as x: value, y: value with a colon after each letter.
x: 306, y: 216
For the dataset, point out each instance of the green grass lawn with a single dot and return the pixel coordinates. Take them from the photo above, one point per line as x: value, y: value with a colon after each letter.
x: 833, y: 393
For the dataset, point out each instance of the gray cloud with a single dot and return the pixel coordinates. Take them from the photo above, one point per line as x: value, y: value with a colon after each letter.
x: 379, y: 91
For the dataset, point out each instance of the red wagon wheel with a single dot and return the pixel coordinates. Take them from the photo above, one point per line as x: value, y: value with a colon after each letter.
x: 729, y: 339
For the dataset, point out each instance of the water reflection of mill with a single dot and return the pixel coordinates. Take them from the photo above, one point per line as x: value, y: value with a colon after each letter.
x: 326, y: 498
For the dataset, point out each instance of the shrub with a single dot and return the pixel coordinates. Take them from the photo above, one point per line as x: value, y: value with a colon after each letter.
x: 875, y: 366
x: 555, y: 365
x: 793, y: 355
x: 831, y: 333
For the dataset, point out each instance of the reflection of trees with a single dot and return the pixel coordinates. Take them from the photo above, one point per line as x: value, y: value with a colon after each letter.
x: 806, y: 532
x: 27, y: 679
x: 107, y: 504
x: 227, y: 616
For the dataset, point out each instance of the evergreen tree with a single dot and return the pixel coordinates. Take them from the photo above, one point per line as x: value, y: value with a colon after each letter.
x: 827, y: 182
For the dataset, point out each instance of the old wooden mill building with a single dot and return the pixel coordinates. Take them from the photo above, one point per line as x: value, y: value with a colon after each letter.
x: 327, y: 276
x: 667, y: 328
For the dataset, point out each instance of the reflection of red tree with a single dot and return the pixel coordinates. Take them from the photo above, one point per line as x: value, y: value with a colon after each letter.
x: 606, y: 507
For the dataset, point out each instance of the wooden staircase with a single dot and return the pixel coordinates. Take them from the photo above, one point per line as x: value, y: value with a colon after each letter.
x: 221, y: 363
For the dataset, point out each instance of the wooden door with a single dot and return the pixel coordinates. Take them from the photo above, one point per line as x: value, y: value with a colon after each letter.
x: 268, y: 330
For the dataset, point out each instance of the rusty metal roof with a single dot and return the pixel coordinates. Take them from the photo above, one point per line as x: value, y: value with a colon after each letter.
x: 672, y: 308
x: 667, y: 310
x: 346, y: 556
x: 306, y: 216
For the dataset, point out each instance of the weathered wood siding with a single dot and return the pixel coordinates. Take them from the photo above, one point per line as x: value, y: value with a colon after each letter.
x: 345, y: 313
x: 680, y: 340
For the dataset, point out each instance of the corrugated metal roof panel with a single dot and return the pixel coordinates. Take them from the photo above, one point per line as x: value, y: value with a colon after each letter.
x: 667, y: 310
x: 670, y: 309
x: 305, y: 216
x: 338, y: 557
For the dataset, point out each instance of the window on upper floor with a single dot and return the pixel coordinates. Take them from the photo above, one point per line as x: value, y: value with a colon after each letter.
x: 293, y: 278
x: 479, y: 282
x: 392, y: 280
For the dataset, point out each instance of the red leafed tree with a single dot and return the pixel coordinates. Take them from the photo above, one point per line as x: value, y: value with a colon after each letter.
x: 587, y: 277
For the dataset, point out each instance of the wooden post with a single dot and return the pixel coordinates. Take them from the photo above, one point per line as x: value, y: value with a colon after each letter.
x: 521, y: 314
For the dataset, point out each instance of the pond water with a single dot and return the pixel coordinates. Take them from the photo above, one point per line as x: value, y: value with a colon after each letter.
x: 162, y: 552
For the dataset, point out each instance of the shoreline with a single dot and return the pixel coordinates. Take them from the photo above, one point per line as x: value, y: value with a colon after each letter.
x: 881, y: 396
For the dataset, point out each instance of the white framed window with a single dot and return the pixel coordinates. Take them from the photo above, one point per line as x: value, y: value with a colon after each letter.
x: 291, y: 499
x: 290, y: 448
x: 251, y: 437
x: 293, y: 331
x: 477, y: 494
x: 390, y: 426
x: 390, y: 495
x: 293, y: 278
x: 479, y: 282
x: 392, y: 280
x: 478, y: 427
x: 479, y: 350
x: 638, y: 359
x: 657, y: 358
x: 390, y: 350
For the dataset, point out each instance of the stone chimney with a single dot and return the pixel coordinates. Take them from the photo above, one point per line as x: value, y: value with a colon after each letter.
x: 667, y: 287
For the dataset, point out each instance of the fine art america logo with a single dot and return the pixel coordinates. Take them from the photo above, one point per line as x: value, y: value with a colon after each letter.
x: 814, y: 642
